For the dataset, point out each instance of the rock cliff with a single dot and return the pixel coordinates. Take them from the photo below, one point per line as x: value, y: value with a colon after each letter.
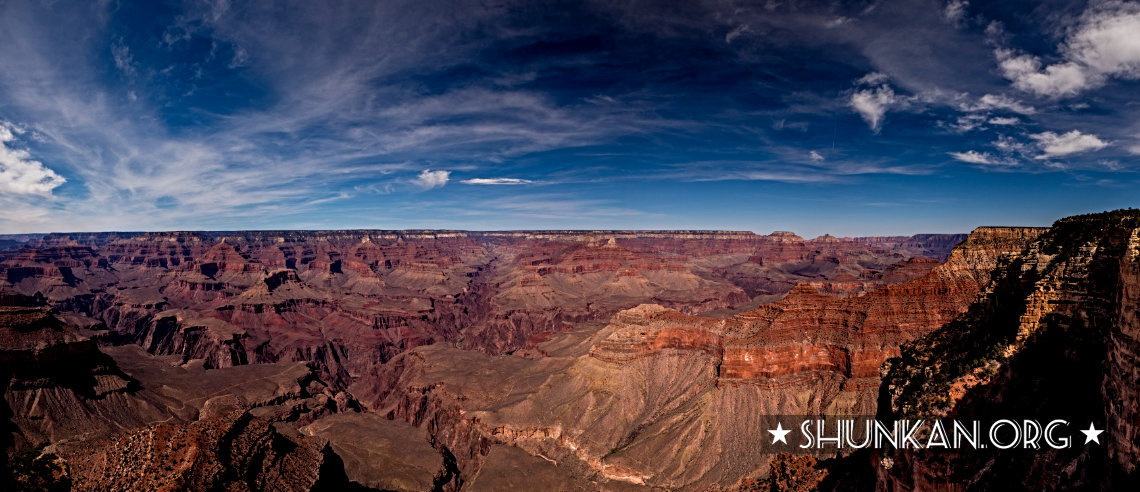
x: 1053, y: 336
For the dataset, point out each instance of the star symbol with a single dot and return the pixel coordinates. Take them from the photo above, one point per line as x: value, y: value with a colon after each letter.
x: 779, y: 434
x: 1092, y: 435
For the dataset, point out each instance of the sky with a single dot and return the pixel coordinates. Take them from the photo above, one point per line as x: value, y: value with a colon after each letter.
x: 849, y: 118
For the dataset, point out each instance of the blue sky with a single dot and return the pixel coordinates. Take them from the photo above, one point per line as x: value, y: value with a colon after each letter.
x: 849, y: 118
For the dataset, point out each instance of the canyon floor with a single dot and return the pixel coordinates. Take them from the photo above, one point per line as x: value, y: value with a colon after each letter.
x: 455, y: 360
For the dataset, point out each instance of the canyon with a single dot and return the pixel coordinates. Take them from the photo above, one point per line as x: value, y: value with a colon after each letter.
x: 348, y: 300
x: 458, y: 360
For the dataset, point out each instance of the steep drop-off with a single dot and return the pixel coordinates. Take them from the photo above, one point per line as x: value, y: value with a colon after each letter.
x: 662, y: 398
x: 1054, y: 336
x: 222, y: 360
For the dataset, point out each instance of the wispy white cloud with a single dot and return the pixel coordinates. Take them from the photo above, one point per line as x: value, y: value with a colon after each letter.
x: 983, y: 158
x: 836, y: 22
x: 955, y: 11
x: 981, y: 113
x: 1004, y: 121
x: 972, y: 156
x: 873, y: 78
x: 1110, y: 164
x: 1059, y: 145
x: 496, y: 181
x: 19, y: 173
x: 429, y: 179
x: 240, y: 58
x: 121, y: 55
x: 736, y: 33
x: 872, y: 104
x: 815, y: 156
x: 968, y: 122
x: 990, y: 102
x: 791, y: 167
x: 1011, y: 146
x: 777, y: 175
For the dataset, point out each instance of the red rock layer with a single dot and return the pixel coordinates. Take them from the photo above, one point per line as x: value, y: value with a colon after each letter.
x: 347, y: 300
x: 809, y: 332
x: 667, y: 399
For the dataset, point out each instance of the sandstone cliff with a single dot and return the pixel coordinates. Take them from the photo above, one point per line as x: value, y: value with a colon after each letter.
x: 1054, y: 336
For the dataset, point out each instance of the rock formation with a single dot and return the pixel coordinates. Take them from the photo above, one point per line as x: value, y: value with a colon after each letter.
x: 1054, y: 336
x: 241, y: 344
x: 186, y: 426
x: 662, y: 398
x: 348, y: 300
x: 574, y: 360
x: 231, y: 452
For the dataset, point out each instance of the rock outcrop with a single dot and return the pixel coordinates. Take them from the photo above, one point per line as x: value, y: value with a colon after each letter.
x: 118, y: 418
x: 1053, y: 337
x: 57, y: 382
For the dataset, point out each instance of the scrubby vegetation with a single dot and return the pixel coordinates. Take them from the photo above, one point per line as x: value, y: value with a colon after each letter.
x: 788, y: 473
x: 1070, y: 233
x: 920, y: 377
x: 32, y: 469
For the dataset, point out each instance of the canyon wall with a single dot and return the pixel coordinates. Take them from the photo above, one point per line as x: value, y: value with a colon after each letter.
x: 233, y: 342
x: 572, y: 360
x: 662, y: 398
x: 583, y: 360
x: 348, y: 300
x: 1053, y: 337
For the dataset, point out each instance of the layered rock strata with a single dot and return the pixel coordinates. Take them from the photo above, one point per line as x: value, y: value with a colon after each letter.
x: 667, y: 399
x: 349, y: 300
x: 118, y: 418
x: 1053, y: 337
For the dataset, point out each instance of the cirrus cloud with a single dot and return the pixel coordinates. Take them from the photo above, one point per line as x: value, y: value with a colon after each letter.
x: 972, y: 156
x: 982, y: 158
x: 990, y: 102
x: 496, y: 181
